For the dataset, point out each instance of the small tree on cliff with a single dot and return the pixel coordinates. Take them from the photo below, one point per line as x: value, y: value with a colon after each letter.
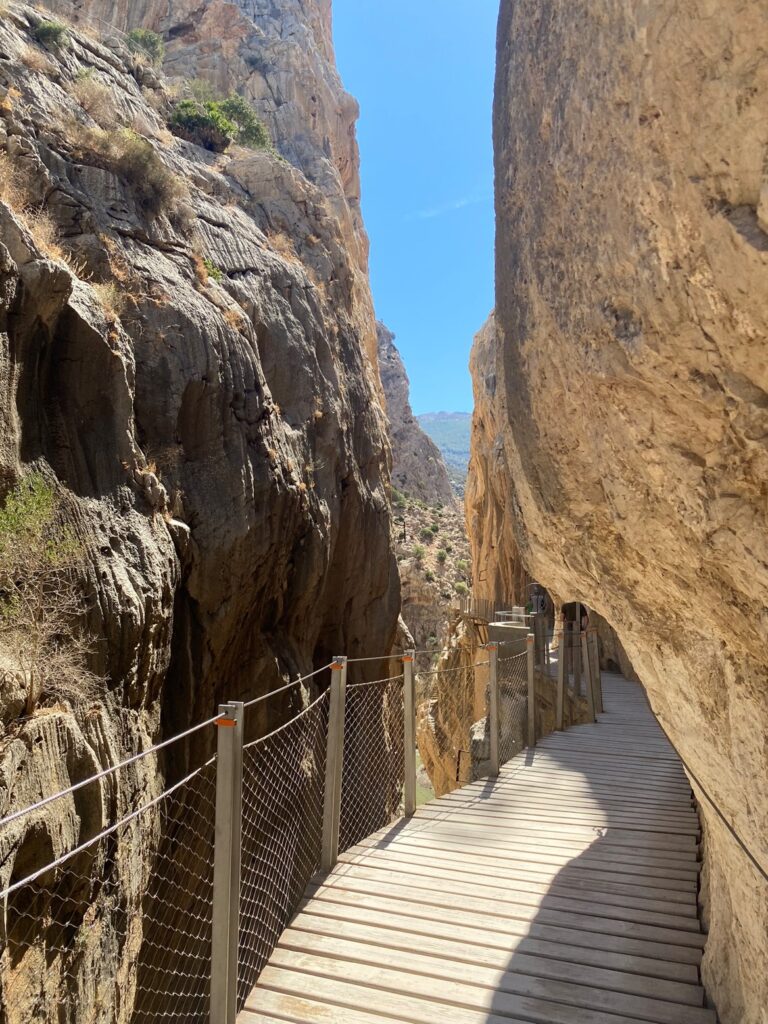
x: 41, y: 599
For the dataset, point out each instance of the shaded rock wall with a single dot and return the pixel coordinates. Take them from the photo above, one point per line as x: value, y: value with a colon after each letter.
x: 632, y: 274
x: 251, y: 391
x: 418, y: 469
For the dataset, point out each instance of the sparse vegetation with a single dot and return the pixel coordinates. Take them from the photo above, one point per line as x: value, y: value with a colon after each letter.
x: 52, y: 33
x: 36, y: 60
x: 144, y: 41
x: 441, y: 556
x: 426, y: 535
x: 154, y: 185
x: 429, y: 576
x: 461, y: 588
x: 251, y: 130
x: 38, y: 222
x: 113, y: 300
x: 95, y: 98
x: 213, y: 271
x: 418, y: 552
x: 41, y: 599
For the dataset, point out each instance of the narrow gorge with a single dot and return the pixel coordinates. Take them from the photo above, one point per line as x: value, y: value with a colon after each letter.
x: 220, y: 514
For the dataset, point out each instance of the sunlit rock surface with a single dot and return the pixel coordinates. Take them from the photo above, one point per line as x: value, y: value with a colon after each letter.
x: 632, y: 373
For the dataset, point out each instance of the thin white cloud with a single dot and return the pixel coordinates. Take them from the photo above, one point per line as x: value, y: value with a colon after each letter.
x: 440, y: 211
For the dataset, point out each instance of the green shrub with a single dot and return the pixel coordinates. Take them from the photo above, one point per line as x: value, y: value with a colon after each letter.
x: 251, y: 130
x: 204, y: 124
x: 429, y: 576
x: 435, y: 527
x: 214, y: 123
x: 461, y: 588
x: 41, y: 599
x: 213, y: 271
x: 426, y: 534
x: 147, y: 42
x: 154, y: 185
x: 462, y: 565
x: 52, y: 33
x: 442, y: 554
x: 418, y: 552
x: 449, y: 548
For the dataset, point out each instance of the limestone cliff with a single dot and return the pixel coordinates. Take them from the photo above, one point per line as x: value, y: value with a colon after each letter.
x: 631, y: 369
x: 418, y: 469
x: 192, y: 361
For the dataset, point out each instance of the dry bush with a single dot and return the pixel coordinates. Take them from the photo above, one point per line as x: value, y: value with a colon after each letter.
x: 96, y: 99
x: 16, y: 194
x: 283, y: 245
x: 113, y: 300
x: 36, y: 60
x: 234, y: 318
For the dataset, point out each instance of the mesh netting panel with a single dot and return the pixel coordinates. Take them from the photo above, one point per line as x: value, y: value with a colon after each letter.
x: 283, y: 786
x: 372, y: 780
x: 512, y: 674
x: 118, y: 930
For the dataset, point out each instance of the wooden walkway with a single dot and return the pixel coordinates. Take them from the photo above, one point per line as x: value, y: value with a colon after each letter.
x: 563, y: 893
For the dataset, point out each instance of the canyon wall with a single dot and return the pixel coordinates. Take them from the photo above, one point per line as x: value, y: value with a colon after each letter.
x: 631, y: 384
x: 188, y: 355
x: 418, y: 469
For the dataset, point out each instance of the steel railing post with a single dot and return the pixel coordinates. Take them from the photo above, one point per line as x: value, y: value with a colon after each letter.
x: 588, y: 677
x: 409, y: 736
x: 493, y: 705
x: 560, y: 713
x: 530, y: 645
x: 577, y: 667
x: 226, y: 864
x: 334, y: 763
x: 595, y: 650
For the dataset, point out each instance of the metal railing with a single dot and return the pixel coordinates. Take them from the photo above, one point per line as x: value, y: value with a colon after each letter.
x: 130, y: 909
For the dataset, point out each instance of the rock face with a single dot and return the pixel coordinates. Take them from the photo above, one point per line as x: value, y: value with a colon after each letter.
x: 498, y: 571
x: 418, y: 469
x: 631, y: 385
x: 193, y: 363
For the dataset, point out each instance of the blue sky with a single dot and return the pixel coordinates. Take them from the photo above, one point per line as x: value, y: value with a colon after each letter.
x: 423, y: 73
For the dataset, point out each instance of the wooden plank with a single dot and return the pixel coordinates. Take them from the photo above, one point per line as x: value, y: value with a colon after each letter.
x: 524, y: 894
x: 539, y: 867
x: 606, y: 920
x: 622, y: 835
x: 556, y: 882
x: 474, y: 940
x: 686, y: 822
x: 522, y: 838
x: 655, y: 946
x: 506, y: 959
x: 460, y: 994
x: 475, y: 977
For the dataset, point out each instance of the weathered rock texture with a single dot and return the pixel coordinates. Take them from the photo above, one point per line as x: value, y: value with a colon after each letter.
x: 498, y: 573
x: 418, y: 469
x: 632, y: 375
x: 265, y: 547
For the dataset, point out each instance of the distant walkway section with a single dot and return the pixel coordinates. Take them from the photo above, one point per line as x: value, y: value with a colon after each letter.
x: 562, y: 892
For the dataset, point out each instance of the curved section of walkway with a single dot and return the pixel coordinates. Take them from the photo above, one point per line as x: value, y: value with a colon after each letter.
x: 564, y: 892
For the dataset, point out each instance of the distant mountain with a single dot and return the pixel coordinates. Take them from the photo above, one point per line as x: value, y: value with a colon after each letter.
x: 451, y: 433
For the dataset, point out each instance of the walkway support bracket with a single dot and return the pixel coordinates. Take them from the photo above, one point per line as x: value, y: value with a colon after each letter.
x: 588, y: 677
x: 530, y: 645
x: 561, y: 656
x: 334, y: 763
x: 226, y: 863
x: 409, y: 737
x: 493, y: 705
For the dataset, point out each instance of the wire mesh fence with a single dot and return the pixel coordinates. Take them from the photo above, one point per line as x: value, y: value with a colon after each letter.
x: 282, y: 825
x: 451, y: 722
x: 373, y: 768
x: 118, y: 927
x: 512, y: 674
